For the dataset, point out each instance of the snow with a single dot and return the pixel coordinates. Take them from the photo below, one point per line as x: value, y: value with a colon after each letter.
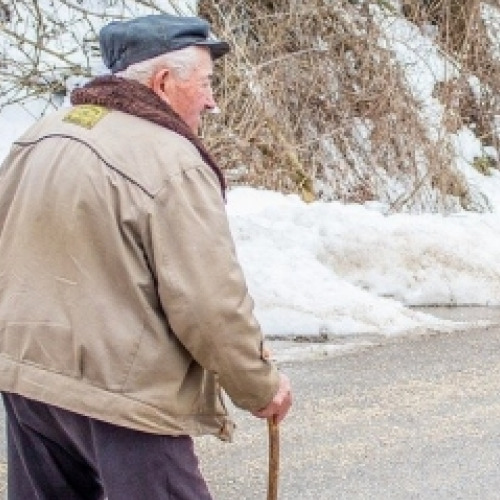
x: 330, y: 269
x: 423, y: 63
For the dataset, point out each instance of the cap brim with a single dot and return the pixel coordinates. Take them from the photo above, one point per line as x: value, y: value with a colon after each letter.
x: 217, y: 48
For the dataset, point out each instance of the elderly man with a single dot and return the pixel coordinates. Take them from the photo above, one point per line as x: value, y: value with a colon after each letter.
x: 123, y: 309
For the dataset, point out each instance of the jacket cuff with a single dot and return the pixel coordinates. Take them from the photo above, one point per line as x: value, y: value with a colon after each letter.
x: 263, y: 395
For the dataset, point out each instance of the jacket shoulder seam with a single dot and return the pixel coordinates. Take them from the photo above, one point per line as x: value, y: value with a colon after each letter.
x: 94, y: 150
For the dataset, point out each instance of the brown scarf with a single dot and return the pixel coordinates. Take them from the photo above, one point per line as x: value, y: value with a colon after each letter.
x: 136, y: 99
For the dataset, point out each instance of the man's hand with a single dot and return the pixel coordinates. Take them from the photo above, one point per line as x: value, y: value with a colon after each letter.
x: 281, y: 402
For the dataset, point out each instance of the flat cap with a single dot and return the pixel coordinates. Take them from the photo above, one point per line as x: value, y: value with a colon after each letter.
x: 128, y: 42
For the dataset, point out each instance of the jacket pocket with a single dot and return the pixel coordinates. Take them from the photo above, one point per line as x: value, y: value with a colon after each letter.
x: 211, y: 401
x: 47, y: 345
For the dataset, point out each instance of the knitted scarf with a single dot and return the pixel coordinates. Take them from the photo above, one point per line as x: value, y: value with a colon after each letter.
x: 136, y: 99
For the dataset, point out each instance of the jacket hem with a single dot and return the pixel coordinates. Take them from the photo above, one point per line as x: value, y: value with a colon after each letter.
x: 78, y: 396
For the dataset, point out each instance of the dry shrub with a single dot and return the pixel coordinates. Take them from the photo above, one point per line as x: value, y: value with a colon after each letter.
x: 455, y: 19
x: 312, y: 104
x: 462, y: 35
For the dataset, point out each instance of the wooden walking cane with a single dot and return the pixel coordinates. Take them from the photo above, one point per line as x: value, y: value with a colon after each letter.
x: 274, y: 458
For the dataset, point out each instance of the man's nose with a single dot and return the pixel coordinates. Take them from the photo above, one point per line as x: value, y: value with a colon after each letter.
x: 210, y: 104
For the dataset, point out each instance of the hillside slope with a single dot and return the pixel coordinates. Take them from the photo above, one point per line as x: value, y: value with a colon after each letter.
x: 387, y: 102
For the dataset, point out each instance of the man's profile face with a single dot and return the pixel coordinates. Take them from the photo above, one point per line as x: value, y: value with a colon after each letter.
x: 190, y: 97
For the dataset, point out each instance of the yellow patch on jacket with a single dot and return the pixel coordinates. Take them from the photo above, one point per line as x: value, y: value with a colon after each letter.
x: 86, y: 115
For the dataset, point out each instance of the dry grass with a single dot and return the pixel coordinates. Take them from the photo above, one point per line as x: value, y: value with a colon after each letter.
x: 312, y: 104
x: 462, y: 34
x: 311, y: 101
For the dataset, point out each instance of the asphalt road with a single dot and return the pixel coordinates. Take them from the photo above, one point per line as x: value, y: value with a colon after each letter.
x: 410, y: 419
x: 413, y: 419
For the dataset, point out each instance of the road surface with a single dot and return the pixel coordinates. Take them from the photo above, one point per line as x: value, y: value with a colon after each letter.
x: 415, y: 418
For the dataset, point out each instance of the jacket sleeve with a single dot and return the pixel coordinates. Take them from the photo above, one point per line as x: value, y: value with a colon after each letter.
x: 202, y: 288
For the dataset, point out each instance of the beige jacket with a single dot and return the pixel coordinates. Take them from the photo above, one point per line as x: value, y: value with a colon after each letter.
x: 121, y: 297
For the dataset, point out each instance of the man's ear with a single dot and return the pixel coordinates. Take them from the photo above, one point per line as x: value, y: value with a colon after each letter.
x: 159, y: 83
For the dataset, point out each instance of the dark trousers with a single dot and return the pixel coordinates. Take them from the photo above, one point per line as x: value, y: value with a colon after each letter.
x: 54, y: 454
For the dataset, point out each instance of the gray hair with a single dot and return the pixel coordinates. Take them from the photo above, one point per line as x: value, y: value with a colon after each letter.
x: 182, y: 62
